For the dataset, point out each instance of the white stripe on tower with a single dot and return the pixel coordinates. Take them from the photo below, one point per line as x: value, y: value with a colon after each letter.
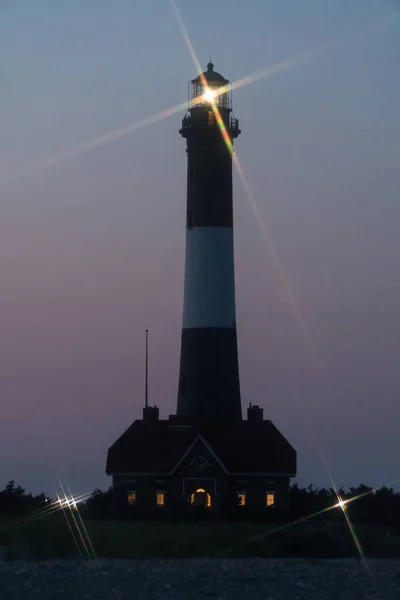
x: 209, y: 297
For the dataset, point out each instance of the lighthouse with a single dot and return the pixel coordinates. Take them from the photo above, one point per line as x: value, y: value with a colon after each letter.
x: 209, y: 388
x: 206, y: 453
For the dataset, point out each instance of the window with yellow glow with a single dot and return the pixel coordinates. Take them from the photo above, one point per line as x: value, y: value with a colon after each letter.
x: 210, y: 117
x: 199, y: 495
x: 241, y: 498
x: 131, y: 497
x: 160, y: 498
x: 269, y: 499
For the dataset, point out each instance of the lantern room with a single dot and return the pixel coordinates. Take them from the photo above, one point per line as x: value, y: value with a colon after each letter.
x: 210, y: 101
x: 208, y: 88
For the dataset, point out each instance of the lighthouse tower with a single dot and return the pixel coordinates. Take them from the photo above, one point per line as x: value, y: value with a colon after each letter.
x: 209, y: 387
x: 206, y: 454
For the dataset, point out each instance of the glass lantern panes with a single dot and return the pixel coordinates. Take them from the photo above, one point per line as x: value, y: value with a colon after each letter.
x: 198, y: 90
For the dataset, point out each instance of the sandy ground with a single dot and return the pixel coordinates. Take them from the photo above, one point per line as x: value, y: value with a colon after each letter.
x: 253, y: 579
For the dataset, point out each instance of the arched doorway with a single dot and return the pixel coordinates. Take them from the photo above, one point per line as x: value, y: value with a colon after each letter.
x: 200, y: 498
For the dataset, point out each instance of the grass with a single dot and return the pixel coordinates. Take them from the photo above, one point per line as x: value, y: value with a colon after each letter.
x: 49, y: 537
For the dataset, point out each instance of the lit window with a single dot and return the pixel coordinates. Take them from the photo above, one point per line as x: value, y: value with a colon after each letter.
x: 269, y: 499
x: 131, y: 497
x: 210, y: 117
x: 241, y: 496
x: 160, y: 498
x: 159, y: 478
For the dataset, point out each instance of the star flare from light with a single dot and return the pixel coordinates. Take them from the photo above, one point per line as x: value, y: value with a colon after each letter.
x: 70, y: 153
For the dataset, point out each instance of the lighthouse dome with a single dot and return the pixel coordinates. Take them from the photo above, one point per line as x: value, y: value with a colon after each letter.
x: 213, y: 78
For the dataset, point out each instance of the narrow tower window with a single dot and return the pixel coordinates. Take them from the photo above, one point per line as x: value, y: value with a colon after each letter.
x: 210, y: 118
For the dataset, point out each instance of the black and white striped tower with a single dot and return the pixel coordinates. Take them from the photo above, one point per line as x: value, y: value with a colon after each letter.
x: 209, y: 387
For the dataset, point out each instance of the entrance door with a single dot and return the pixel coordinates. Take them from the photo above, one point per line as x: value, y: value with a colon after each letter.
x: 201, y: 498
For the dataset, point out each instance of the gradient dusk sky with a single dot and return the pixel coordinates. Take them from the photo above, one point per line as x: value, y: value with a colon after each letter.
x: 92, y: 247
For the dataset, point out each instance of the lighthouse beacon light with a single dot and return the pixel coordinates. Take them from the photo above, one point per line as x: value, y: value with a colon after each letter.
x: 210, y: 95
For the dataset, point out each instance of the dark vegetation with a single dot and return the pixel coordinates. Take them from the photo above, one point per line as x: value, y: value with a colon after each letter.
x: 31, y: 527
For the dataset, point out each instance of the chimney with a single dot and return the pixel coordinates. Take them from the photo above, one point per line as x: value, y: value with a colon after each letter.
x: 255, y: 414
x: 150, y: 413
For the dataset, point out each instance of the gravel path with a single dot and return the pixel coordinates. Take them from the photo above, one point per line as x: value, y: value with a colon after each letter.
x: 254, y: 579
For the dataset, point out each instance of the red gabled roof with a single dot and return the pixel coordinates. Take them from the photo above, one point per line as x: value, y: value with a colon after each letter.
x: 248, y: 447
x: 243, y: 447
x: 148, y: 447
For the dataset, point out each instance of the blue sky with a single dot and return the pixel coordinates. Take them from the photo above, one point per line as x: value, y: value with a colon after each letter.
x: 92, y: 248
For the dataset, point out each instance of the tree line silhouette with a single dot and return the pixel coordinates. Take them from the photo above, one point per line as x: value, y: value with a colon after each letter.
x: 365, y: 505
x: 15, y: 501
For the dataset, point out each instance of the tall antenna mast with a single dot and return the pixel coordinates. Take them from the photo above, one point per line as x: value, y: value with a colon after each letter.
x: 146, y: 393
